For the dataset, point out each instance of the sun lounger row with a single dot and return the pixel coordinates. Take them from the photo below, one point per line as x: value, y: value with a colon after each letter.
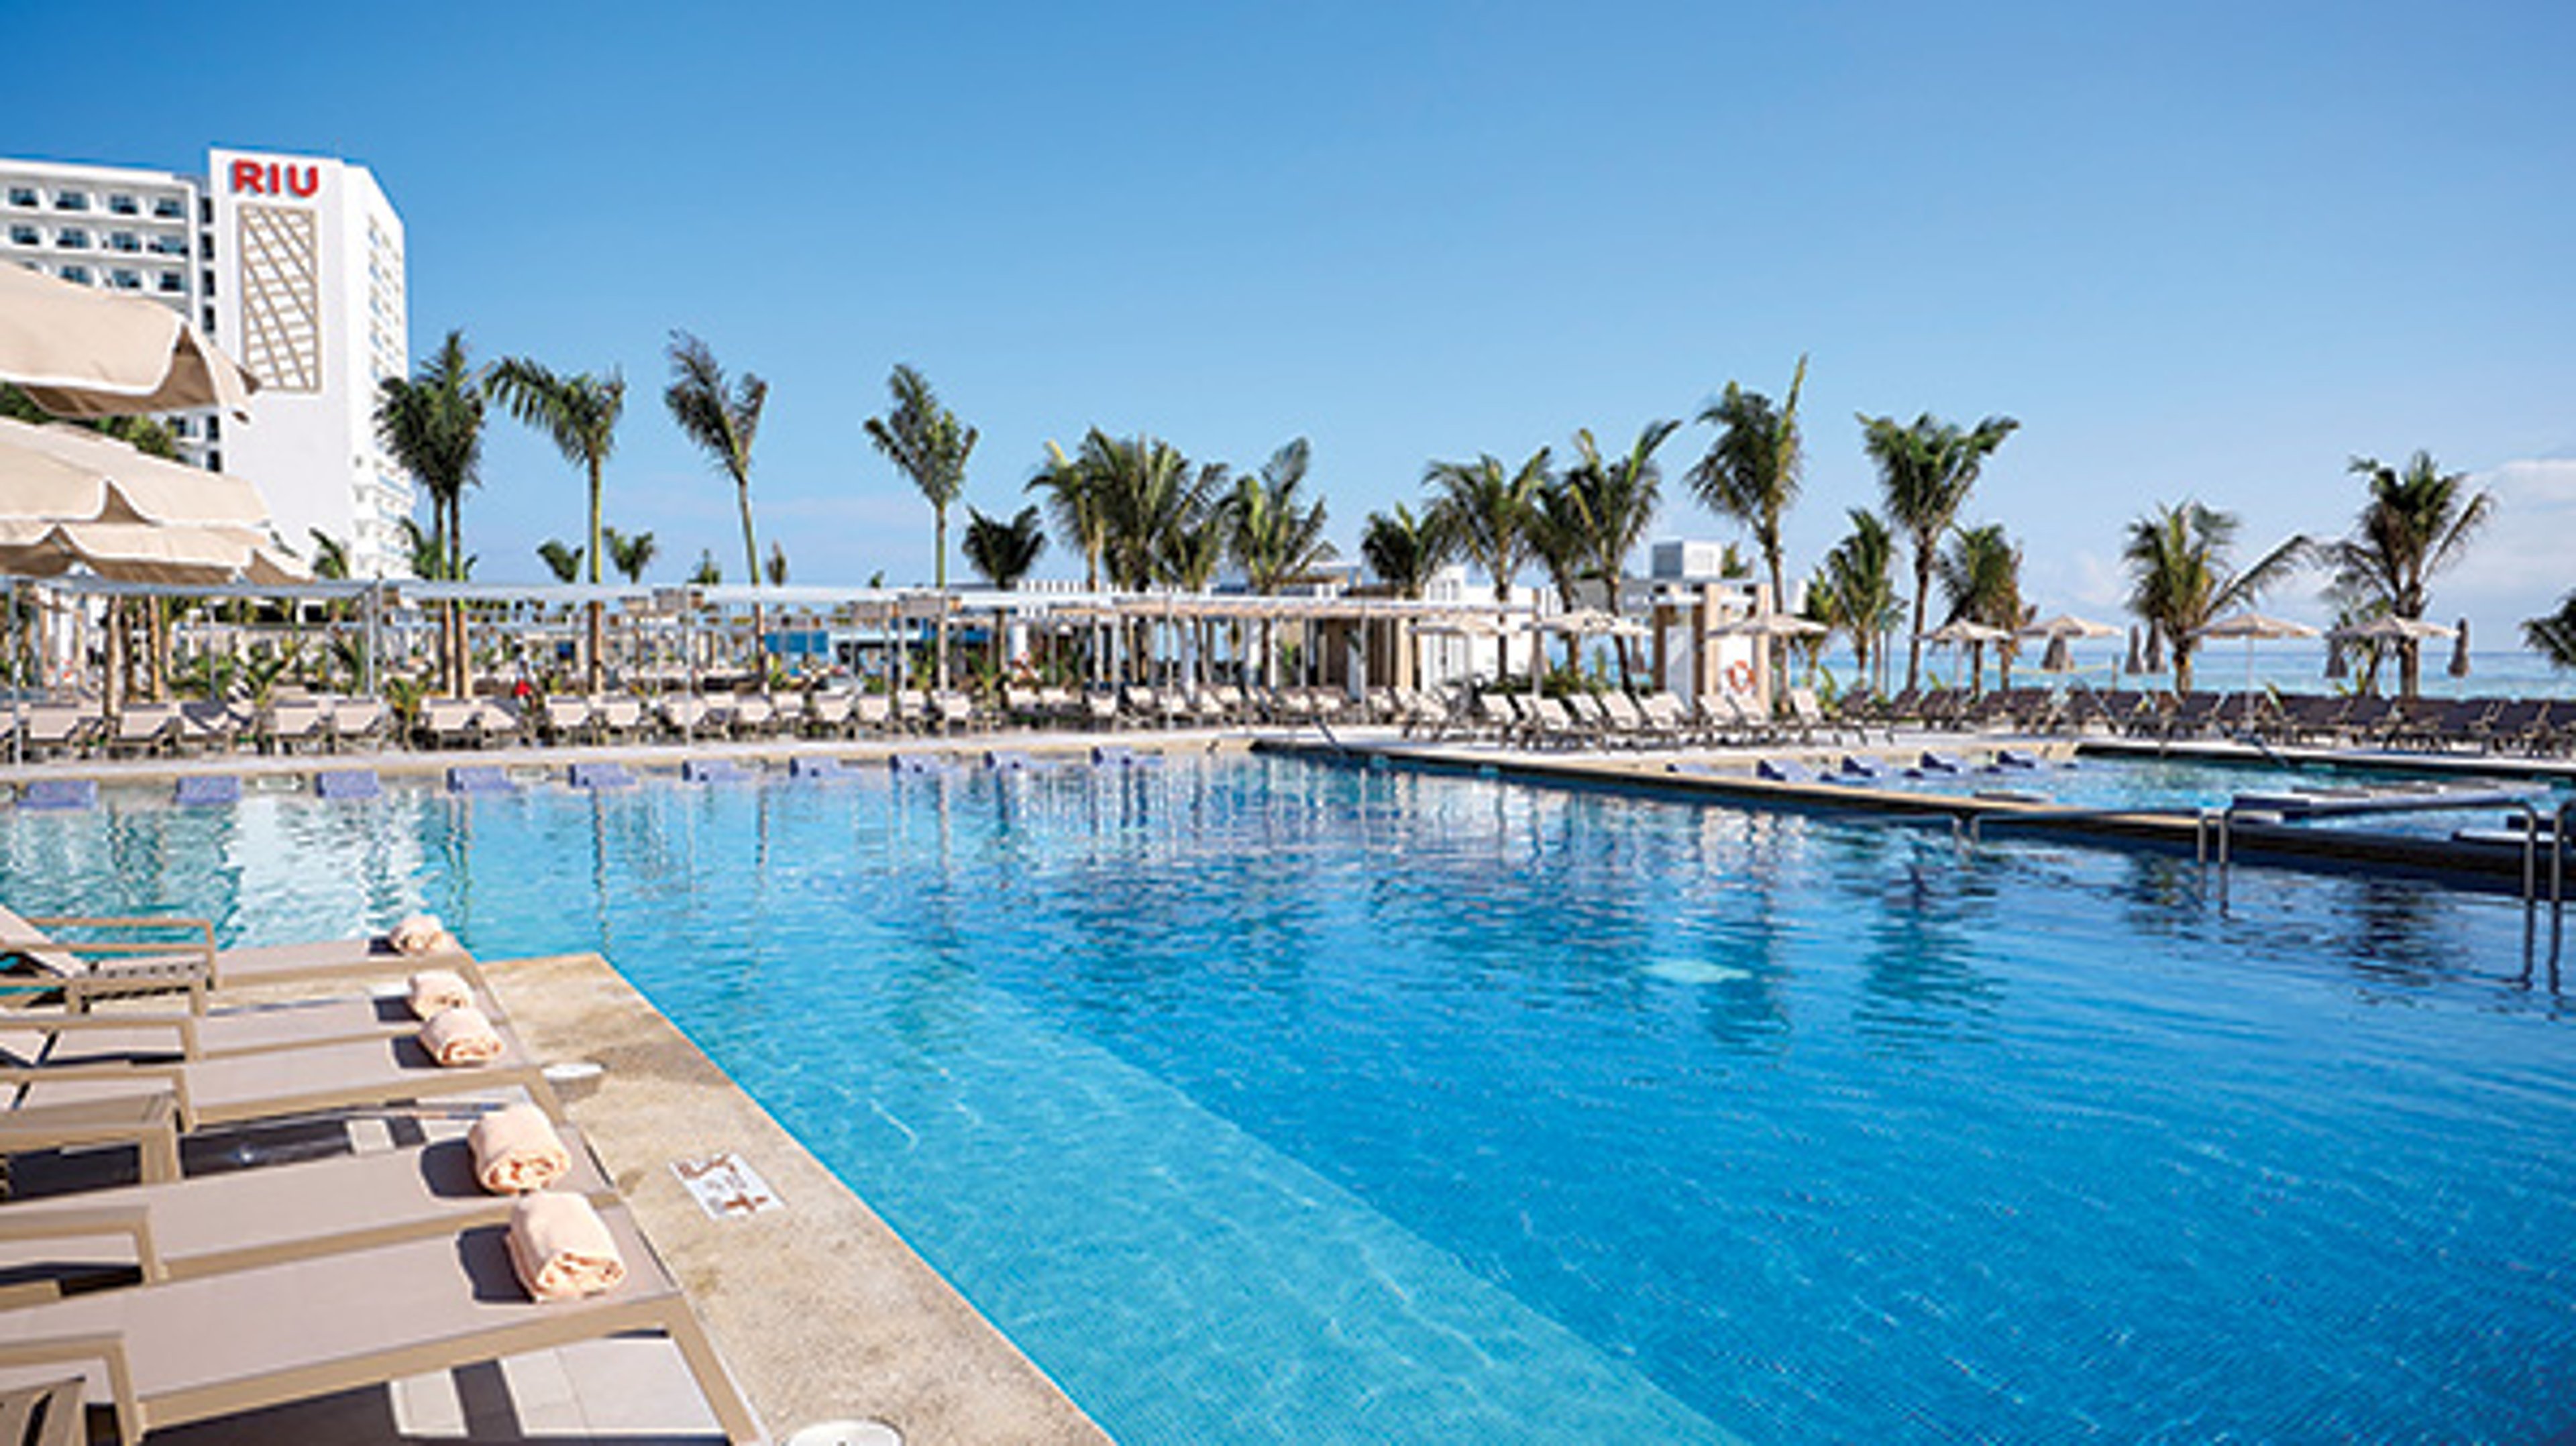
x: 1606, y: 719
x: 174, y: 1300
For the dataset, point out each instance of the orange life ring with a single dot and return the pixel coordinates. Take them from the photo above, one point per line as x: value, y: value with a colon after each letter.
x: 1739, y: 676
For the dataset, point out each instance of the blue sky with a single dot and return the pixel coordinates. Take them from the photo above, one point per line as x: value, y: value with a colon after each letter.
x: 2200, y: 251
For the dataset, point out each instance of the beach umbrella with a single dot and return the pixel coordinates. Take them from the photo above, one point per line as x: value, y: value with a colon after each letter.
x: 2060, y: 632
x: 80, y: 352
x: 2133, y: 664
x: 2155, y: 649
x: 70, y: 497
x: 2385, y: 628
x: 2254, y: 627
x: 2337, y: 666
x: 1770, y: 625
x: 1963, y: 632
x: 2460, y: 651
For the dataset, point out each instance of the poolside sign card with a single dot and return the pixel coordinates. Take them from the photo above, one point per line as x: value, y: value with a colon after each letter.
x: 725, y: 1186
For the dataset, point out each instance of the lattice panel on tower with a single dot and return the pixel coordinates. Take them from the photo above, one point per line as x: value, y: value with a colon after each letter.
x: 281, y: 297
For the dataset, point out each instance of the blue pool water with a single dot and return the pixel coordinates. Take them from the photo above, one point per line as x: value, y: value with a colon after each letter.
x: 1260, y: 1101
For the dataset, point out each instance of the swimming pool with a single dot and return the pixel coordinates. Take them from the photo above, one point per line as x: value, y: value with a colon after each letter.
x: 1265, y: 1101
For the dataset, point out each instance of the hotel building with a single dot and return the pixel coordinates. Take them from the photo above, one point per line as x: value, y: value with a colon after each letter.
x: 294, y: 266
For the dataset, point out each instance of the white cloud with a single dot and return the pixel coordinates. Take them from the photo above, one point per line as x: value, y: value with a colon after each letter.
x: 2526, y: 557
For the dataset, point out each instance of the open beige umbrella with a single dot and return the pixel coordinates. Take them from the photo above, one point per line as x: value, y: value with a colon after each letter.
x: 84, y: 353
x: 2254, y: 628
x: 72, y: 498
x: 2058, y: 632
x: 1770, y: 625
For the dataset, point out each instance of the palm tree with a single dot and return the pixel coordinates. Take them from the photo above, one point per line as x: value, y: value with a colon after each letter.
x: 1487, y: 510
x: 629, y: 555
x: 925, y: 442
x: 1075, y: 502
x: 1925, y: 471
x: 330, y: 557
x: 1981, y: 582
x: 1860, y: 575
x: 2417, y: 522
x: 1751, y: 470
x: 1403, y: 550
x: 723, y: 418
x: 708, y: 572
x: 2180, y: 579
x: 777, y: 572
x: 579, y: 414
x: 1274, y: 535
x: 2553, y: 635
x: 1148, y: 494
x: 1003, y: 552
x: 1615, y: 502
x: 564, y: 562
x: 431, y: 423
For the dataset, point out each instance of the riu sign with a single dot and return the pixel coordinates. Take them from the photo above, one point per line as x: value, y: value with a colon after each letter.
x: 273, y: 178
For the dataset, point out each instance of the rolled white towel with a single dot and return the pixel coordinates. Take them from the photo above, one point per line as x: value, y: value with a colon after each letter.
x: 420, y: 934
x: 461, y: 1036
x: 433, y: 990
x: 517, y: 1150
x: 561, y: 1249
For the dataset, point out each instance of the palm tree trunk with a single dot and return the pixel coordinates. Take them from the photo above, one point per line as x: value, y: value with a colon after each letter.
x: 592, y: 673
x: 1922, y: 593
x: 751, y: 562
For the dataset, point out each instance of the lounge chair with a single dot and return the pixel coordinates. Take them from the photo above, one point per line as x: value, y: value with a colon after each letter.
x: 191, y: 1350
x: 568, y: 718
x: 244, y: 1219
x: 292, y: 725
x: 55, y: 1037
x: 827, y: 714
x: 146, y: 728
x: 87, y: 968
x: 357, y: 721
x: 52, y: 729
x: 235, y: 1088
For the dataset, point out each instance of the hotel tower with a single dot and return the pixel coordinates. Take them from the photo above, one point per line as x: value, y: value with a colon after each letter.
x: 294, y: 265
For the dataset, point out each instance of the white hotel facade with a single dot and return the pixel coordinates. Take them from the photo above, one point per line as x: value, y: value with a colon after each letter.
x: 292, y: 264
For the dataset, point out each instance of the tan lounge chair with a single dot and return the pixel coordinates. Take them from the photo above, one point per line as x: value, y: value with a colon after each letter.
x: 86, y: 968
x: 235, y: 1088
x: 191, y: 1350
x: 54, y: 1037
x: 243, y: 1219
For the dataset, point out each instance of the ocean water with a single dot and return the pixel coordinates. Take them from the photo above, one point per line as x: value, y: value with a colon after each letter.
x: 1262, y: 1101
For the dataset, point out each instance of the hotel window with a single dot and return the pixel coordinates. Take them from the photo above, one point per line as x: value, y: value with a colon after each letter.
x: 22, y: 195
x: 214, y: 428
x: 214, y: 461
x: 124, y: 241
x: 209, y: 278
x: 124, y: 280
x: 26, y: 236
x: 206, y: 245
x: 71, y: 237
x: 209, y: 321
x: 169, y: 245
x: 181, y: 427
x: 120, y: 205
x: 169, y: 208
x: 172, y: 284
x: 71, y: 200
x: 78, y: 275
